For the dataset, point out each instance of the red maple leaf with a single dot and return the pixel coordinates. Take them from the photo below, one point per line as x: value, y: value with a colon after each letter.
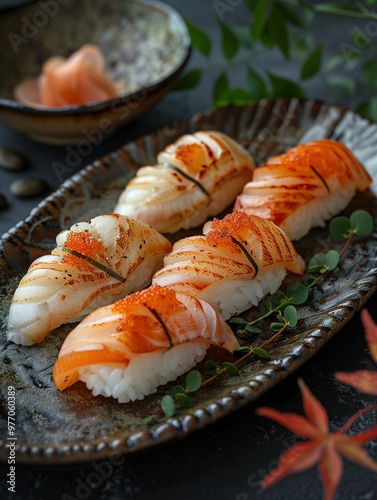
x: 364, y: 380
x: 323, y: 447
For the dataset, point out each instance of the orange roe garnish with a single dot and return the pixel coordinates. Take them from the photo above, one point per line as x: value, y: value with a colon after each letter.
x: 222, y: 239
x: 155, y: 297
x: 84, y: 243
x: 232, y: 223
x: 323, y: 157
x: 231, y: 227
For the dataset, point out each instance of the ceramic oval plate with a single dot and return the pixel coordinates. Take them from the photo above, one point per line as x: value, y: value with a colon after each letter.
x: 54, y: 427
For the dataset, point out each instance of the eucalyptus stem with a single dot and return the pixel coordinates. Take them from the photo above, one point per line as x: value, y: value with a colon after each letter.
x: 247, y: 355
x: 214, y: 377
x: 271, y: 311
x: 315, y: 280
x: 346, y: 245
x: 275, y: 336
x: 237, y: 362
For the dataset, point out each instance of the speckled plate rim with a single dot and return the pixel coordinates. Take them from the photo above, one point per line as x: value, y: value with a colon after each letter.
x: 225, y: 119
x: 97, y: 107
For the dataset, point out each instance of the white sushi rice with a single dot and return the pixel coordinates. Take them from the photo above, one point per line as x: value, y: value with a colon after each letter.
x: 143, y: 374
x: 16, y: 337
x: 230, y: 297
x: 317, y: 212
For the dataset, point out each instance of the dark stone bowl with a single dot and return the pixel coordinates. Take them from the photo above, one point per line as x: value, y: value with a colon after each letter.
x: 145, y: 44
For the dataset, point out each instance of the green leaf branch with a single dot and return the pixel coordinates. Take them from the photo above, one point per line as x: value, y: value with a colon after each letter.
x: 287, y: 26
x: 182, y: 395
x: 341, y: 228
x: 281, y: 304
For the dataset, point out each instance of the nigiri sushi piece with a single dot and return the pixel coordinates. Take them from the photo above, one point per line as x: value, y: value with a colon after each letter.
x: 233, y: 265
x: 127, y: 349
x: 305, y: 187
x: 197, y: 177
x: 93, y: 264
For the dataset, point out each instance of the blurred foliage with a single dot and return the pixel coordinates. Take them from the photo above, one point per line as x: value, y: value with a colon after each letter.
x: 287, y: 27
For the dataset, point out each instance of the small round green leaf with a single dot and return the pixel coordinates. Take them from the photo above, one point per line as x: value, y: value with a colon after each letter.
x: 332, y: 259
x: 318, y: 269
x: 290, y: 315
x: 275, y: 327
x: 210, y: 367
x: 277, y: 298
x: 261, y: 353
x: 176, y: 390
x: 317, y: 263
x: 230, y: 368
x: 319, y: 259
x: 362, y: 222
x: 184, y: 400
x: 340, y: 228
x: 193, y: 381
x: 253, y: 329
x: 236, y: 320
x: 241, y: 350
x: 298, y: 293
x: 168, y: 406
x: 265, y: 306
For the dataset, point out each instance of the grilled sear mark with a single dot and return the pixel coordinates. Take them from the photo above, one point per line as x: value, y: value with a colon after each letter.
x: 160, y: 320
x: 191, y: 179
x: 321, y: 178
x: 95, y: 263
x: 253, y: 263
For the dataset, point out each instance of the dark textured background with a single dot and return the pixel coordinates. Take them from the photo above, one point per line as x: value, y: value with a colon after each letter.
x: 228, y: 459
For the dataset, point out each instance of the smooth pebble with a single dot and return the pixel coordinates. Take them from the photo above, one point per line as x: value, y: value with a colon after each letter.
x: 28, y: 187
x: 10, y: 160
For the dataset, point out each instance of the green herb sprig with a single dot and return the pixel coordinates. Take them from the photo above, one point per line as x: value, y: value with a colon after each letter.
x: 182, y: 394
x: 341, y: 228
x: 283, y: 305
x: 287, y: 26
